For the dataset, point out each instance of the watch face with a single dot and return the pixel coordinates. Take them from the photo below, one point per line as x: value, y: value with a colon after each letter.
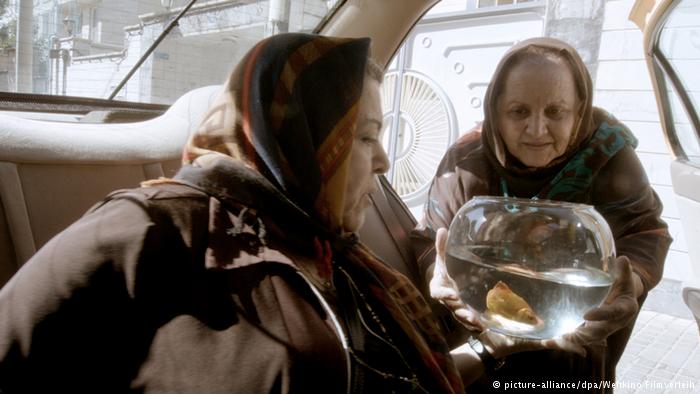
x: 476, y: 344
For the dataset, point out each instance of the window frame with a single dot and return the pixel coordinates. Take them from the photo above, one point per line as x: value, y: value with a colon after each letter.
x: 663, y: 69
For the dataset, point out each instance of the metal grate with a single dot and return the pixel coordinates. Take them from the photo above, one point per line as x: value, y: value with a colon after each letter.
x: 418, y: 130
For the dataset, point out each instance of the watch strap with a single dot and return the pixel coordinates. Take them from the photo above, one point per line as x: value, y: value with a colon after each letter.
x: 487, y: 359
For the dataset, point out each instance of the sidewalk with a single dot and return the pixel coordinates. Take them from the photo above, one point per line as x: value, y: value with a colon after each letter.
x: 663, y: 350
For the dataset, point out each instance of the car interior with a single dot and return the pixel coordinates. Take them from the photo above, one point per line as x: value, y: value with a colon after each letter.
x: 55, y: 164
x: 51, y: 171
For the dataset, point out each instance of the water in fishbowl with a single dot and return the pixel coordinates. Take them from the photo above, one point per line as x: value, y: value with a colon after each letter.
x: 518, y: 301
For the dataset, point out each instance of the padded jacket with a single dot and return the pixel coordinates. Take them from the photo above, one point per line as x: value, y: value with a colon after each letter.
x: 145, y: 294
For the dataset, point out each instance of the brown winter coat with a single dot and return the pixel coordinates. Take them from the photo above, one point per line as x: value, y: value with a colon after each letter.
x: 155, y: 314
x: 599, y: 168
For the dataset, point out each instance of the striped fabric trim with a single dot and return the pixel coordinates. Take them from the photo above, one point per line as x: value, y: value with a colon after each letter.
x: 214, y: 132
x: 248, y: 144
x: 337, y: 145
x: 297, y: 62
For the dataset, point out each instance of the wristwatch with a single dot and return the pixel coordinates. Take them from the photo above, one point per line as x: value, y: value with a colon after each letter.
x: 490, y: 362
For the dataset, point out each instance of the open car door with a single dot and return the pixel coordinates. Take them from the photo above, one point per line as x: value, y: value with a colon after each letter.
x: 672, y: 49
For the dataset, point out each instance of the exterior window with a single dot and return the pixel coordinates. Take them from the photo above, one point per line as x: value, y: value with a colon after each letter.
x: 94, y: 26
x: 85, y: 48
x: 496, y: 3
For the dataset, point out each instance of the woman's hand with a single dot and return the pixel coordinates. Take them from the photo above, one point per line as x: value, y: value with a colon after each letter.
x: 617, y: 311
x: 444, y: 289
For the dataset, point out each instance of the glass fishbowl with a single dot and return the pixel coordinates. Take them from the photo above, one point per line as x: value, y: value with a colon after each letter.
x: 532, y: 268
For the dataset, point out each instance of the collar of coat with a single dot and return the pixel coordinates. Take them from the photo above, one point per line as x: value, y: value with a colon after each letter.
x: 251, y: 221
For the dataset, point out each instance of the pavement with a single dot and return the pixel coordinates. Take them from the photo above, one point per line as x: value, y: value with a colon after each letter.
x: 663, y: 354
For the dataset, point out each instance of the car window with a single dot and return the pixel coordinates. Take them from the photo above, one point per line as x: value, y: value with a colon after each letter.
x: 678, y: 56
x: 685, y: 133
x: 85, y: 48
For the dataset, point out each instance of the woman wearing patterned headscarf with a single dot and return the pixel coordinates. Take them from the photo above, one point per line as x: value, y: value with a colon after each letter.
x: 542, y: 138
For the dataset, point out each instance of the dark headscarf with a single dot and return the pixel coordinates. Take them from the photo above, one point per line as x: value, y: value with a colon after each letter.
x: 286, y: 114
x: 521, y: 180
x: 278, y: 140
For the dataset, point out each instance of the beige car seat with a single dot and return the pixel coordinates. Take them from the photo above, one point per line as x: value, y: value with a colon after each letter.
x: 52, y: 172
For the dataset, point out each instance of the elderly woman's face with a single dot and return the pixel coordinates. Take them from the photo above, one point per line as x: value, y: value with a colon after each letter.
x: 537, y: 111
x: 367, y: 157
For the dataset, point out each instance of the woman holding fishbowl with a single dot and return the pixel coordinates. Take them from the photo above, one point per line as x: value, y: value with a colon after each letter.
x: 541, y: 138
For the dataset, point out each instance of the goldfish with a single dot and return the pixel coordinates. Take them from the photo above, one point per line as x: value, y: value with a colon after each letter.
x: 503, y: 301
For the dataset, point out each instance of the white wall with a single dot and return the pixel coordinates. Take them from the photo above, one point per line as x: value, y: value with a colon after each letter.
x: 461, y: 56
x: 623, y: 87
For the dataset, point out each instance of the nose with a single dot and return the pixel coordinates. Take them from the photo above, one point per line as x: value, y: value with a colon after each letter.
x: 380, y: 160
x: 537, y: 125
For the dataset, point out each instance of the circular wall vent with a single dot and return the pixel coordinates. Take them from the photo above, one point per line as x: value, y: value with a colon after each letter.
x: 417, y: 131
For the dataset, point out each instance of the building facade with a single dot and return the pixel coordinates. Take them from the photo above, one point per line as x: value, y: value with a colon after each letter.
x: 92, y: 44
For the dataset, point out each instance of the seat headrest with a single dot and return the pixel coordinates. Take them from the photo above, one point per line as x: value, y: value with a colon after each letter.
x: 158, y: 139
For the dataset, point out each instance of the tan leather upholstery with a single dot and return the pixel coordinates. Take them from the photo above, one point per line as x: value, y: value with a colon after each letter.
x: 52, y: 172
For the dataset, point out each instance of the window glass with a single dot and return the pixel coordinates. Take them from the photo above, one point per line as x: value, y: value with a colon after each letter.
x: 687, y: 137
x: 450, y: 6
x: 86, y: 47
x: 492, y: 3
x: 679, y: 42
x: 486, y: 3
